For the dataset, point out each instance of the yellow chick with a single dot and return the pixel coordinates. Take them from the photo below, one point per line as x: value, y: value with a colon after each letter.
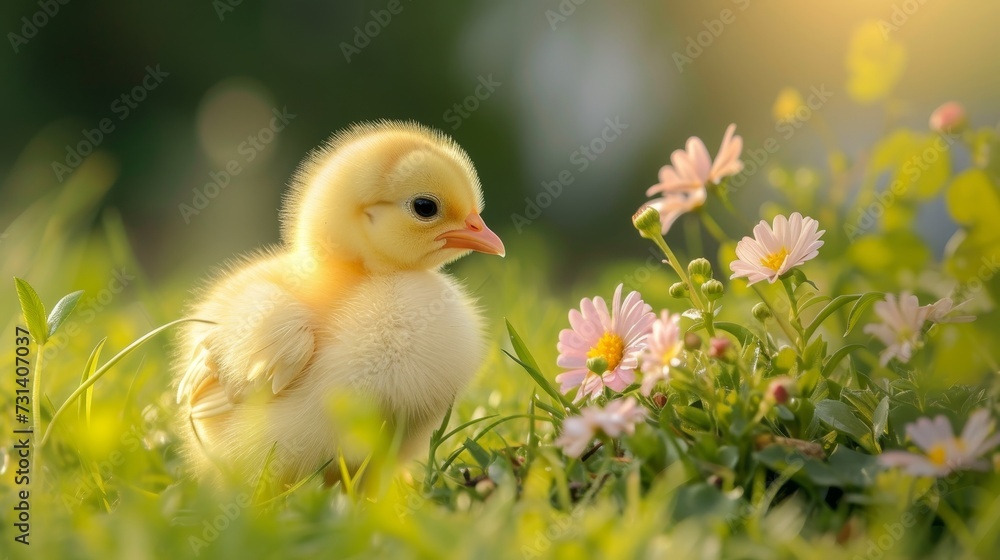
x: 351, y: 304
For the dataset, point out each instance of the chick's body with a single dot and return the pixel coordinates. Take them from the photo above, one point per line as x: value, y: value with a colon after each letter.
x: 351, y: 306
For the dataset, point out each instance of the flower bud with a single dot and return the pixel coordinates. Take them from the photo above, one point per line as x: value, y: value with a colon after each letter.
x: 597, y: 364
x: 659, y: 399
x: 679, y: 290
x: 692, y: 341
x: 700, y: 271
x: 780, y: 389
x: 647, y: 221
x: 485, y: 487
x: 761, y: 312
x: 712, y: 289
x: 718, y: 347
x: 949, y: 118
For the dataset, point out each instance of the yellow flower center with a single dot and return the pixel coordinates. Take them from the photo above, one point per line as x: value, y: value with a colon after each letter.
x: 775, y: 260
x: 937, y: 455
x: 671, y: 353
x: 610, y: 347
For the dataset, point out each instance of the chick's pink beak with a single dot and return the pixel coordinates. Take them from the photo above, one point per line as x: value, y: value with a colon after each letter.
x: 475, y: 235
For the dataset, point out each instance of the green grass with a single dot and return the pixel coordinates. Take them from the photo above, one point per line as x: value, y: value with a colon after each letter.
x: 715, y: 471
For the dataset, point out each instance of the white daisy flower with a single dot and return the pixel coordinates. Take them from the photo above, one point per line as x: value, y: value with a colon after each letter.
x: 902, y: 321
x: 774, y: 250
x: 942, y: 452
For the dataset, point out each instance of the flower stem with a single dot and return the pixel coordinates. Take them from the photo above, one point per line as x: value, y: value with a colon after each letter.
x: 795, y: 307
x: 713, y: 227
x: 672, y: 260
x: 786, y: 327
x: 36, y: 391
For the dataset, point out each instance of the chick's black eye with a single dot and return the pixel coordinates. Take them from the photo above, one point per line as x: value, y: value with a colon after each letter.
x: 425, y: 207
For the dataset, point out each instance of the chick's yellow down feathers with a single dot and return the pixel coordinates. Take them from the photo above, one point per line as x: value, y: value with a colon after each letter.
x: 350, y: 305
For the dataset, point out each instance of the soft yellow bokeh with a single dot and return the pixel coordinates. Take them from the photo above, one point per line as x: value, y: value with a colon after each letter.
x: 787, y: 104
x: 875, y: 62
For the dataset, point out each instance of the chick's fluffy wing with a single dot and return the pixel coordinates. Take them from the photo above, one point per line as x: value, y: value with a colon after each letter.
x: 260, y: 338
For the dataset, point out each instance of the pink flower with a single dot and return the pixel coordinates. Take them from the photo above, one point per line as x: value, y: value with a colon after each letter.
x: 664, y: 345
x: 682, y: 183
x: 942, y: 451
x: 774, y: 250
x: 617, y: 337
x: 616, y: 418
x: 949, y: 118
x: 900, y: 329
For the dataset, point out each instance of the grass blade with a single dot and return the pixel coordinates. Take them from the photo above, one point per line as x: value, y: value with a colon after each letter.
x: 527, y: 361
x: 88, y: 370
x: 106, y: 367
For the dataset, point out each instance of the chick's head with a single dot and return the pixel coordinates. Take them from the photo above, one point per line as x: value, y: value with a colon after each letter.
x: 391, y: 196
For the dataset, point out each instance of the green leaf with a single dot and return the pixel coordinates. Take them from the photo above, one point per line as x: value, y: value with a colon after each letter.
x: 881, y: 419
x: 839, y: 355
x: 859, y: 308
x: 702, y: 500
x: 862, y: 401
x: 526, y: 361
x: 845, y: 468
x: 480, y: 455
x: 33, y: 310
x: 62, y: 310
x: 840, y: 417
x: 784, y: 360
x: 973, y: 200
x: 88, y: 370
x: 743, y: 334
x: 919, y: 166
x: 814, y: 353
x: 828, y: 310
x: 893, y: 250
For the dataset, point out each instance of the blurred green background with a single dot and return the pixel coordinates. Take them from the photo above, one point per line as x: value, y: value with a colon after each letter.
x: 558, y: 70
